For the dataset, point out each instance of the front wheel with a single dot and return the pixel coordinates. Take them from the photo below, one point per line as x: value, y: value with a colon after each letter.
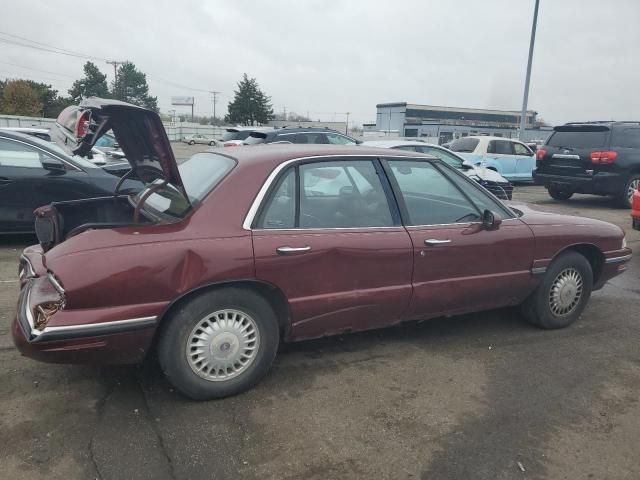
x: 191, y: 142
x: 211, y: 144
x: 559, y: 195
x: 218, y: 344
x: 563, y: 294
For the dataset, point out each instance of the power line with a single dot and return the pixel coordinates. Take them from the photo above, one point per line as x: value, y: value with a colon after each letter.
x: 37, y: 69
x: 62, y: 51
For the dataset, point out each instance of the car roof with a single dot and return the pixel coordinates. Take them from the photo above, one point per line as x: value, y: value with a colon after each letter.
x: 26, y: 129
x: 241, y: 128
x: 397, y: 143
x: 275, y: 154
x: 489, y: 137
x: 306, y: 129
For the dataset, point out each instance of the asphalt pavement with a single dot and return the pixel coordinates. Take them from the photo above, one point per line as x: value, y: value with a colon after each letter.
x: 483, y: 396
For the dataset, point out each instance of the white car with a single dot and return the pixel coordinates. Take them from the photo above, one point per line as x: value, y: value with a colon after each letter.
x: 489, y: 179
x: 198, y: 138
x: 236, y: 136
x: 512, y: 159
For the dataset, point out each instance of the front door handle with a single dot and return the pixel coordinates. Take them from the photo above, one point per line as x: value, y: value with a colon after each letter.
x: 433, y: 241
x: 286, y: 250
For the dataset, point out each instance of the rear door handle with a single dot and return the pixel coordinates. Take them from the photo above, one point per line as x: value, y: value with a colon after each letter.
x: 433, y: 241
x: 286, y: 250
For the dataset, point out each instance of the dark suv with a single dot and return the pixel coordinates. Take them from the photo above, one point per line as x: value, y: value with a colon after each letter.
x: 301, y: 135
x: 601, y: 158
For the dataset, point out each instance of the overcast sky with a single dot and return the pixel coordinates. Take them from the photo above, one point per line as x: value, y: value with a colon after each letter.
x: 324, y: 56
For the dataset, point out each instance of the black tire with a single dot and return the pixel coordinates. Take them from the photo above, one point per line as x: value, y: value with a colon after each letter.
x: 623, y: 199
x: 172, y: 346
x: 191, y: 142
x: 211, y: 144
x: 559, y: 195
x: 537, y: 308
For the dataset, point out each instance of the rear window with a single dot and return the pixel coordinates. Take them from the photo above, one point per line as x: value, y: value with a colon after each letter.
x: 467, y: 145
x: 255, y: 138
x: 200, y: 174
x: 579, y: 139
x: 239, y: 135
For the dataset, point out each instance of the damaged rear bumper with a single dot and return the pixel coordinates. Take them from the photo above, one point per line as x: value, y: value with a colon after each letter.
x: 66, y: 340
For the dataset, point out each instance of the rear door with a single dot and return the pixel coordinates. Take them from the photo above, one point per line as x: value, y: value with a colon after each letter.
x: 458, y: 265
x: 500, y: 155
x: 568, y: 150
x: 26, y: 185
x: 330, y: 238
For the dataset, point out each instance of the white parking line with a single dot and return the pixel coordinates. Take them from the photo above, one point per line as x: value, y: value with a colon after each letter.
x: 8, y: 281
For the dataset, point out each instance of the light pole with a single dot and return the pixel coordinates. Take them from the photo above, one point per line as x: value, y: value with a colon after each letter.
x: 346, y: 128
x: 525, y: 99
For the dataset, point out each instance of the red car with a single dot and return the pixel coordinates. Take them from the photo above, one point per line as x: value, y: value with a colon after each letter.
x: 220, y: 259
x: 635, y: 209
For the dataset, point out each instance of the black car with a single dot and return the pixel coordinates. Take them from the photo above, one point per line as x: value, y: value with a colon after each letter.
x: 600, y: 158
x: 300, y: 135
x: 34, y: 172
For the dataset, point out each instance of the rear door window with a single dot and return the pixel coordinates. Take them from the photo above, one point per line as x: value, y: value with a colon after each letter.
x: 467, y: 145
x: 500, y: 147
x: 310, y: 137
x: 627, y: 138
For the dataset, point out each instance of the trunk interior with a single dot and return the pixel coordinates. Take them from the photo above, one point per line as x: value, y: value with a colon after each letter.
x: 61, y: 220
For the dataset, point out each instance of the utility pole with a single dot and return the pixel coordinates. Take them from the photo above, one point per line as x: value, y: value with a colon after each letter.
x: 284, y: 109
x: 525, y: 98
x: 214, y: 100
x: 346, y: 128
x: 115, y: 64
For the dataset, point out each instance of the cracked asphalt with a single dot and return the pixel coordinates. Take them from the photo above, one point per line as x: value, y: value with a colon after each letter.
x: 482, y: 396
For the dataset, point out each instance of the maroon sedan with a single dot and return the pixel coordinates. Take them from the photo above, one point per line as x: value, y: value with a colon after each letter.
x: 220, y: 259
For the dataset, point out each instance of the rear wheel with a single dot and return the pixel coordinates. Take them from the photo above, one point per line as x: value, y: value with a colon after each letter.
x: 625, y: 197
x: 561, y: 297
x: 558, y: 194
x: 219, y: 344
x: 191, y: 142
x: 211, y: 144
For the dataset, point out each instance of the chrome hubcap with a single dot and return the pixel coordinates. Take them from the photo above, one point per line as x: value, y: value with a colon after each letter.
x: 223, y: 345
x: 566, y: 292
x: 633, y: 186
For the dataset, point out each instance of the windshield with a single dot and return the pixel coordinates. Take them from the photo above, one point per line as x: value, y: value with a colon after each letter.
x: 255, y: 138
x: 239, y: 135
x: 200, y: 174
x: 467, y: 145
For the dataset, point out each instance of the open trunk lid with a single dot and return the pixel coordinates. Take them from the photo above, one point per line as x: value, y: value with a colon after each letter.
x: 138, y: 131
x: 568, y: 150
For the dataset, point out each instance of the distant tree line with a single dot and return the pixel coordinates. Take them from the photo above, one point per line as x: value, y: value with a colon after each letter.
x: 30, y: 98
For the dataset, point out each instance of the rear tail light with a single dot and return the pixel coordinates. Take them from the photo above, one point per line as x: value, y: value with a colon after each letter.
x: 603, y: 158
x: 82, y: 125
x: 541, y: 153
x: 230, y: 145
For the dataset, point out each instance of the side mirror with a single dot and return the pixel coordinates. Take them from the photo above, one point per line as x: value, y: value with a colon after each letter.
x: 491, y: 220
x: 358, y: 142
x: 53, y: 165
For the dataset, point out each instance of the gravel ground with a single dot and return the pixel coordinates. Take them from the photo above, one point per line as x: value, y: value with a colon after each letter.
x: 481, y: 396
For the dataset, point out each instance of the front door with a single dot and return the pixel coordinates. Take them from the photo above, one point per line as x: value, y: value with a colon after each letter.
x: 459, y: 266
x: 525, y: 161
x: 500, y: 156
x: 330, y: 239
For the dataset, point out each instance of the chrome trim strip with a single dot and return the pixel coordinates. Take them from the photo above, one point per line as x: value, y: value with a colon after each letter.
x: 55, y: 283
x: 538, y: 270
x: 30, y: 270
x: 624, y: 258
x: 93, y: 326
x: 565, y: 156
x: 253, y: 210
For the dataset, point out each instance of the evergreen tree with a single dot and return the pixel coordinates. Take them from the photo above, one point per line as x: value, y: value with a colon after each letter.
x: 250, y: 105
x: 131, y: 86
x: 93, y: 84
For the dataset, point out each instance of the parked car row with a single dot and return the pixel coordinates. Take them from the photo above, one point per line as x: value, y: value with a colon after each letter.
x: 217, y: 261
